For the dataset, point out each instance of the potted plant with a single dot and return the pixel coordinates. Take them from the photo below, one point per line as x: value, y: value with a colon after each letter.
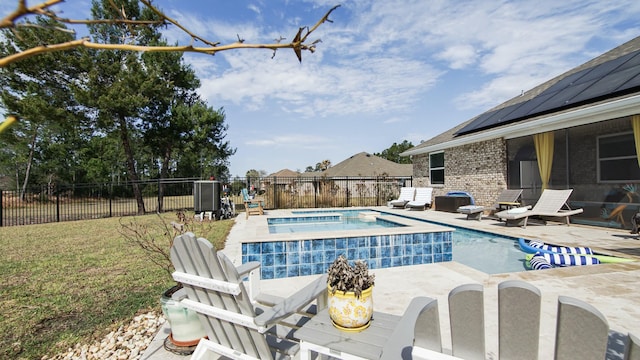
x: 350, y: 294
x: 156, y: 240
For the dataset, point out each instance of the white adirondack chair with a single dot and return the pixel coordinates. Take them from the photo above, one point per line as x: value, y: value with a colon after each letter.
x: 236, y: 326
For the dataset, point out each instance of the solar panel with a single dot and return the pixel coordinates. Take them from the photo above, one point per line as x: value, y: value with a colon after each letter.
x: 604, y: 80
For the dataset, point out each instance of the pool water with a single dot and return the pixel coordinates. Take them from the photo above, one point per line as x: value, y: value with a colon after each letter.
x: 487, y: 252
x: 326, y: 223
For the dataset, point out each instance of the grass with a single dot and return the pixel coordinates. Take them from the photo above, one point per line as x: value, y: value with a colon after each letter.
x: 74, y: 282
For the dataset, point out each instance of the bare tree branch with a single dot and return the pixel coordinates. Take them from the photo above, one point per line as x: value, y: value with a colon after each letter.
x: 298, y: 44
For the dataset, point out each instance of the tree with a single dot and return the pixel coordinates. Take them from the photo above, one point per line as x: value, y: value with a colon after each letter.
x: 40, y: 91
x: 118, y: 15
x: 393, y: 153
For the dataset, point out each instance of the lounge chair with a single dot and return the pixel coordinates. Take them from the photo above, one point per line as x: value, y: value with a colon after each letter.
x: 236, y: 326
x: 406, y: 195
x: 549, y: 204
x: 507, y: 198
x: 252, y: 205
x: 422, y: 199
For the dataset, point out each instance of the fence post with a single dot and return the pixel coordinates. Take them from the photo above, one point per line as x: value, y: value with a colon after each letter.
x: 1, y: 207
x: 110, y: 199
x: 347, y: 191
x: 57, y: 205
x: 276, y: 202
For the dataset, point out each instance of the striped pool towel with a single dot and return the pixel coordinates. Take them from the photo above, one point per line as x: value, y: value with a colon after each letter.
x: 538, y: 262
x: 562, y: 249
x: 570, y: 259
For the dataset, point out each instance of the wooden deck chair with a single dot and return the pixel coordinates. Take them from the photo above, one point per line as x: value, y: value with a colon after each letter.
x: 236, y: 327
x: 252, y: 206
x: 549, y: 204
x: 406, y: 195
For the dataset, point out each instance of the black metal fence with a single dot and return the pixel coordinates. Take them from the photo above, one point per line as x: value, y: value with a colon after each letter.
x: 45, y: 204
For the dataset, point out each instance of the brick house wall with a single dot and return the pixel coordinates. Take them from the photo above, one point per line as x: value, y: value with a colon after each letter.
x: 479, y: 169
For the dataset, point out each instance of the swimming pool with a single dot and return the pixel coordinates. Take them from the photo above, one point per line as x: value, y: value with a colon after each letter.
x: 418, y: 241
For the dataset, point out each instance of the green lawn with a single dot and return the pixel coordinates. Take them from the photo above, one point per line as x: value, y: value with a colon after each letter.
x: 74, y: 282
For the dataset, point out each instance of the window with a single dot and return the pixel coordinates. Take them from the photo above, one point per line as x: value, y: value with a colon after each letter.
x: 617, y: 159
x: 436, y: 168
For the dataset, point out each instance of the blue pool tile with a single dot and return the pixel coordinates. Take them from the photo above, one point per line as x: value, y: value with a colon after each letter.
x: 293, y: 258
x: 330, y: 244
x: 279, y: 247
x: 418, y: 249
x: 266, y: 272
x: 317, y: 244
x: 305, y: 269
x: 396, y: 250
x: 267, y: 247
x: 373, y: 253
x: 352, y: 253
x: 306, y: 245
x: 385, y: 240
x: 305, y: 257
x: 407, y: 249
x: 280, y: 259
x: 254, y: 258
x: 406, y: 260
x: 373, y: 241
x: 267, y: 260
x: 427, y: 249
x: 329, y: 255
x: 447, y: 257
x: 437, y: 248
x: 342, y: 252
x: 352, y: 243
x: 373, y: 263
x: 385, y: 262
x: 363, y: 253
x: 244, y: 248
x: 385, y: 252
x: 293, y: 246
x: 317, y: 257
x: 280, y: 272
x: 341, y: 243
x: 293, y: 270
x: 416, y: 259
x: 319, y: 269
x: 362, y: 242
x: 437, y: 258
x: 427, y: 259
x: 245, y: 259
x: 253, y: 248
x: 396, y: 261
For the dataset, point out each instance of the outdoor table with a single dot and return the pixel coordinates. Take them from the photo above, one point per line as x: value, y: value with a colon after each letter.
x: 504, y: 205
x: 320, y: 336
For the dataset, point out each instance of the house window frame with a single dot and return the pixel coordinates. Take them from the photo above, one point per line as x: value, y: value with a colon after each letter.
x: 599, y: 160
x: 436, y: 168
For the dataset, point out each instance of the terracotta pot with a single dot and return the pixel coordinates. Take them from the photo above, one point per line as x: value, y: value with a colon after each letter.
x: 348, y: 312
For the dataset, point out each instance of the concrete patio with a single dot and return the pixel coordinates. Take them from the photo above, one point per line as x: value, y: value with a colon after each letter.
x: 612, y: 288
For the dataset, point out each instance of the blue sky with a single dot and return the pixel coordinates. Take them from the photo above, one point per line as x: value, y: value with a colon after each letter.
x: 386, y: 71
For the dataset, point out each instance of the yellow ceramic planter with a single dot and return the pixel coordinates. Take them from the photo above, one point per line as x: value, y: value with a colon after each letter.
x: 349, y: 312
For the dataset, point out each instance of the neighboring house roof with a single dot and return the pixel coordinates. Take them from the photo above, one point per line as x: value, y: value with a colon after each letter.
x: 284, y: 173
x: 619, y: 67
x: 281, y: 177
x: 365, y: 164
